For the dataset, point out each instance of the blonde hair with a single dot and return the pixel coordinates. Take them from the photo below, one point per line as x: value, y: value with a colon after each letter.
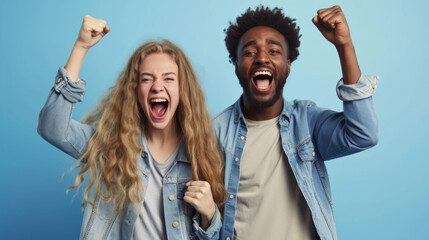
x: 114, y: 150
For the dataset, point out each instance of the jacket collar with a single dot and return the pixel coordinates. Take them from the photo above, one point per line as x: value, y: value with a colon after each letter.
x: 238, y: 113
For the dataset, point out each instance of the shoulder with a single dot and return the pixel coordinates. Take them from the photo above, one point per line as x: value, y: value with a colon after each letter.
x: 298, y: 107
x: 226, y: 113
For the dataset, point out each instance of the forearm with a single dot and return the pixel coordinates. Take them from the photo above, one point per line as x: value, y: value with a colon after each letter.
x: 74, y: 63
x: 349, y: 64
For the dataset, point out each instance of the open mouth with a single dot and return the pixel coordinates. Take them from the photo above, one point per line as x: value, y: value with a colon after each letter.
x: 262, y: 80
x: 158, y: 107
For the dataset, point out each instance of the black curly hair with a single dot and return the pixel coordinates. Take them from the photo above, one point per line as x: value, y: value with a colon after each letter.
x: 263, y: 16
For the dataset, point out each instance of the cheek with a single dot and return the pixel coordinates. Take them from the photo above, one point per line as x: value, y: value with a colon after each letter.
x: 242, y: 69
x: 141, y: 96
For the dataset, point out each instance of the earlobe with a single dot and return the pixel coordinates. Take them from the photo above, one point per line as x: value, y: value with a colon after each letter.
x: 288, y: 67
x: 236, y: 68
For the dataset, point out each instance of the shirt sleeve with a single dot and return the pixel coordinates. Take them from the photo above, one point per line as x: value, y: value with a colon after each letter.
x: 72, y: 91
x: 55, y: 123
x: 365, y: 87
x: 213, y: 231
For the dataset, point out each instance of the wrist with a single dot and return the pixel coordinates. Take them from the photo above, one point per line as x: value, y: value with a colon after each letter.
x: 78, y: 46
x: 208, y: 217
x: 343, y: 47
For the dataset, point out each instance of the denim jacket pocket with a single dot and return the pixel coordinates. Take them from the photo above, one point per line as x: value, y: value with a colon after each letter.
x: 306, y: 151
x: 186, y: 211
x: 187, y: 208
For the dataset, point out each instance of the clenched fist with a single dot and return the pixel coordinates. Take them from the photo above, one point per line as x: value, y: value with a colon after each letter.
x: 91, y: 31
x: 333, y: 26
x: 199, y: 195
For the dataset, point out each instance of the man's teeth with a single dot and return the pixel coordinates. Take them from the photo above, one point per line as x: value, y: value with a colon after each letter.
x: 158, y: 100
x: 262, y: 73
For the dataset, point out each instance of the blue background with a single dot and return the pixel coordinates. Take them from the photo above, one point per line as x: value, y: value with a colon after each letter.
x: 381, y: 193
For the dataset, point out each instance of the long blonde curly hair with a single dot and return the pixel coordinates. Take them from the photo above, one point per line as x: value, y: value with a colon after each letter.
x: 115, y: 148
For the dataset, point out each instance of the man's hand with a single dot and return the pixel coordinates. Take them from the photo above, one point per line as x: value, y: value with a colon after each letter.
x: 91, y: 31
x: 333, y: 26
x: 199, y: 195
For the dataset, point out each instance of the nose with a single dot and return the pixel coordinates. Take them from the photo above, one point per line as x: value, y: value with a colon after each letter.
x: 262, y: 58
x: 157, y: 86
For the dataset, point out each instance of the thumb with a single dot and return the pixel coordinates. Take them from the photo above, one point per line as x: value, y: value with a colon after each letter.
x: 106, y: 30
x: 316, y: 22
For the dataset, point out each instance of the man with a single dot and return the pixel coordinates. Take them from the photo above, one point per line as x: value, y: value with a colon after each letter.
x: 274, y: 150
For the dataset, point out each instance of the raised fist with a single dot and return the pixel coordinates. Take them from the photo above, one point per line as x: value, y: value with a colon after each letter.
x: 333, y: 25
x: 91, y: 31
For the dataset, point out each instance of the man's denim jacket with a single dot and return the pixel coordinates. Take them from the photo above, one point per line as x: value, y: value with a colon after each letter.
x: 310, y: 135
x: 103, y: 221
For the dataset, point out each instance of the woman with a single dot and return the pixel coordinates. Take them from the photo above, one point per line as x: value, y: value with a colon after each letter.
x: 141, y: 146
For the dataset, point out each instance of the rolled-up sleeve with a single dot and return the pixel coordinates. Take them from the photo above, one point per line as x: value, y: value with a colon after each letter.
x: 55, y: 123
x: 72, y: 91
x: 212, y: 231
x: 365, y: 87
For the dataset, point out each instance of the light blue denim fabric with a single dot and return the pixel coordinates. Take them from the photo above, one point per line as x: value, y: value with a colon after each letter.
x: 310, y: 135
x: 104, y: 221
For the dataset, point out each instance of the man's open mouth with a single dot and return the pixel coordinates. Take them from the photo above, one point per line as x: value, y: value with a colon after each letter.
x: 158, y: 107
x: 262, y: 79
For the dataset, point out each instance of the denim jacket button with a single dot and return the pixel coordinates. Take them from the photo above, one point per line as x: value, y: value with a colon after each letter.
x: 231, y: 196
x: 59, y: 80
x: 175, y: 224
x: 171, y: 198
x: 236, y: 159
x: 242, y: 137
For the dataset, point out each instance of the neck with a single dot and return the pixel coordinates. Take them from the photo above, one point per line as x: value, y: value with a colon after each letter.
x: 169, y: 136
x: 256, y: 113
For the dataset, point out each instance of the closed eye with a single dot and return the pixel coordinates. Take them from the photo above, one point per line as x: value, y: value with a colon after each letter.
x: 274, y: 52
x: 145, y: 80
x: 249, y: 53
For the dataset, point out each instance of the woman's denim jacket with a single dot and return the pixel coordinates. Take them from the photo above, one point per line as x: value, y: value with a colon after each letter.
x: 103, y: 221
x: 310, y: 135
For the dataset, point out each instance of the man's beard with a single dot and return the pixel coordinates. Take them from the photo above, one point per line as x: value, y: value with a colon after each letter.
x: 262, y: 104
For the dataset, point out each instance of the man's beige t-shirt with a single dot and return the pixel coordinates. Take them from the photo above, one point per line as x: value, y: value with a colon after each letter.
x: 270, y: 204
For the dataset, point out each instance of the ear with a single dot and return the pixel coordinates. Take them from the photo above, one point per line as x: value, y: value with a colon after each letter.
x: 288, y: 67
x: 236, y: 68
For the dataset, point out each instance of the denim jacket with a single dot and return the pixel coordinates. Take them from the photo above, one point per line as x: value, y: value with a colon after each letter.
x: 310, y: 135
x: 103, y: 221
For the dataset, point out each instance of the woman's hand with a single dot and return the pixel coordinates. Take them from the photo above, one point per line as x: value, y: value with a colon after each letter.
x: 199, y: 195
x: 91, y: 31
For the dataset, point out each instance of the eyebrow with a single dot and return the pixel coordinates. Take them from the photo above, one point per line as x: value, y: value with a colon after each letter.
x: 269, y: 41
x: 253, y: 42
x: 151, y: 75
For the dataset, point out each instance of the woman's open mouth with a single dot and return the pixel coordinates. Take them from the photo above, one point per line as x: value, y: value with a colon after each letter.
x: 158, y: 108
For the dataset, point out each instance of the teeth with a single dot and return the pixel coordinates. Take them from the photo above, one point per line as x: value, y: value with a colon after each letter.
x: 158, y: 100
x: 262, y: 73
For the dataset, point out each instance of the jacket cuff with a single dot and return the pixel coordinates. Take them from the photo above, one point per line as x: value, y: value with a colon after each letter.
x: 212, y: 230
x: 363, y: 88
x: 72, y: 91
